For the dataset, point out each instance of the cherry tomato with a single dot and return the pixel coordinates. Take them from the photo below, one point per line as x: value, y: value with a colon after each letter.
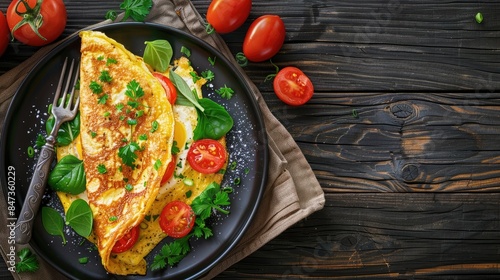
x: 50, y: 13
x: 169, y: 172
x: 292, y: 86
x: 127, y: 241
x: 206, y: 156
x: 168, y: 86
x: 227, y: 15
x: 177, y: 219
x: 4, y: 34
x: 264, y: 38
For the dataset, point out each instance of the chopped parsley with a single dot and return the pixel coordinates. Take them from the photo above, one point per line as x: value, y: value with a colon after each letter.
x: 132, y: 122
x: 102, y: 169
x: 208, y: 75
x: 212, y: 60
x: 95, y: 87
x: 110, y: 61
x: 134, y: 92
x: 225, y: 92
x: 128, y: 153
x: 102, y: 99
x: 186, y: 51
x: 157, y: 164
x: 105, y: 77
x: 154, y: 126
x: 175, y: 149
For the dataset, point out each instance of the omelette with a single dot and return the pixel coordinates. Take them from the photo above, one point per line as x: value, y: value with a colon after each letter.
x: 125, y: 142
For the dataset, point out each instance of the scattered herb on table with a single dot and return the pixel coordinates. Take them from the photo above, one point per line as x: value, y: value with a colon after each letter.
x: 479, y: 17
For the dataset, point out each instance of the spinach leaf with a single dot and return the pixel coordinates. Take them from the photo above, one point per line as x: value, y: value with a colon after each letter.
x: 68, y: 176
x: 68, y: 131
x: 158, y: 54
x: 185, y: 96
x: 214, y: 122
x: 79, y: 217
x: 53, y: 222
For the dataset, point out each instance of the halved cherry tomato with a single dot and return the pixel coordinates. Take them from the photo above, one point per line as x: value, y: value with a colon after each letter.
x: 292, y: 86
x: 227, y: 15
x: 48, y: 17
x: 264, y: 38
x: 177, y: 219
x: 206, y: 156
x: 169, y: 172
x: 127, y: 241
x: 168, y: 86
x: 4, y: 34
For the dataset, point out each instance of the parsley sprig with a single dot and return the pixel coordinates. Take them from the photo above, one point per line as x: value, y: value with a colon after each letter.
x: 211, y: 200
x: 136, y: 9
x: 27, y: 261
x: 134, y: 92
x: 127, y: 153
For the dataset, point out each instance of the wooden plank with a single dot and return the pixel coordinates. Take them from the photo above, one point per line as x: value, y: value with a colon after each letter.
x: 402, y: 142
x: 367, y: 236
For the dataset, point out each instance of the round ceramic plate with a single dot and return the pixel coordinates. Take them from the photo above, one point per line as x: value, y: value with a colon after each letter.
x: 246, y: 142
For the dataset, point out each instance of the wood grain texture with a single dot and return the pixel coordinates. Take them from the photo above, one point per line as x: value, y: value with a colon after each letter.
x: 402, y: 133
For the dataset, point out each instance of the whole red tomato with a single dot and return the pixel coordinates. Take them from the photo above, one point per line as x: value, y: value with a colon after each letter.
x: 227, y: 15
x: 36, y: 22
x: 4, y: 34
x: 264, y: 38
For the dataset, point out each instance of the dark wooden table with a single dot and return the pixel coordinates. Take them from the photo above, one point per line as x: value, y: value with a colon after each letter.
x: 403, y: 133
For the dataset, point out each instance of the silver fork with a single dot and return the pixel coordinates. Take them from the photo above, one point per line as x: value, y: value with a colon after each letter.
x: 63, y: 111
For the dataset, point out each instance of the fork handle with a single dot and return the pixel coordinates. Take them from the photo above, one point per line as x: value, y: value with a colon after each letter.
x: 35, y: 193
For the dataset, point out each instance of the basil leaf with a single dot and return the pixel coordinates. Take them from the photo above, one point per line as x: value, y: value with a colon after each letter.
x: 80, y: 218
x: 158, y: 54
x: 53, y: 222
x: 214, y: 122
x: 185, y: 96
x: 68, y: 131
x: 68, y: 176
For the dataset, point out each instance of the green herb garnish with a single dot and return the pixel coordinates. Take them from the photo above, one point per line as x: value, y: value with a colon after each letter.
x: 101, y: 169
x: 225, y: 92
x: 158, y: 54
x: 136, y: 9
x: 127, y: 153
x: 27, y: 261
x: 68, y: 176
x: 80, y: 218
x: 53, y: 222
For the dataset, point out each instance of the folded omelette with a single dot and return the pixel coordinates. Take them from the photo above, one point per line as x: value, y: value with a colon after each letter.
x: 127, y: 131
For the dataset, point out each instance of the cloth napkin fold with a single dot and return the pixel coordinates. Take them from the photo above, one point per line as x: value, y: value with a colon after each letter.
x: 292, y: 192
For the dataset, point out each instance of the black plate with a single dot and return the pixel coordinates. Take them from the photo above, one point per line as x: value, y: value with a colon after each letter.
x: 247, y: 144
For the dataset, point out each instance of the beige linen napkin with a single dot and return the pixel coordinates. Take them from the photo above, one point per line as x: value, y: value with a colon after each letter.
x: 292, y: 192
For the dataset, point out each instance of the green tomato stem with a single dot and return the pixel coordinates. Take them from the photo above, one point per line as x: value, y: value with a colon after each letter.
x: 32, y: 17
